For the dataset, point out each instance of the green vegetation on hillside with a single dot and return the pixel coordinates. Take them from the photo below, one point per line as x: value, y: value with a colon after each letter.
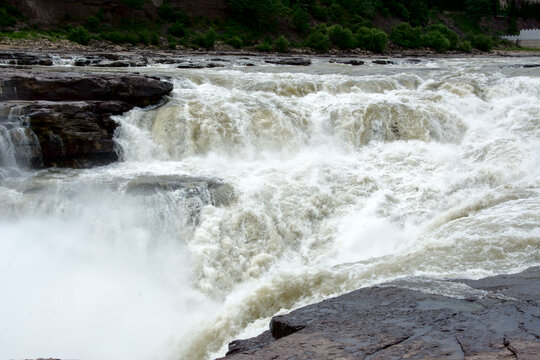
x: 279, y: 25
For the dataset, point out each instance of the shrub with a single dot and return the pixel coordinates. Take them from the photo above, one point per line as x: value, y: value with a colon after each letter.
x: 131, y: 37
x: 406, y: 36
x: 206, y: 40
x: 264, y: 47
x: 465, y: 46
x: 154, y: 38
x: 300, y: 20
x: 177, y: 29
x: 449, y: 34
x: 79, y: 35
x: 371, y: 39
x: 437, y: 41
x: 92, y: 23
x: 336, y: 12
x: 235, y: 42
x: 281, y: 44
x: 318, y: 40
x: 481, y: 42
x: 144, y: 36
x: 341, y: 37
x: 114, y: 37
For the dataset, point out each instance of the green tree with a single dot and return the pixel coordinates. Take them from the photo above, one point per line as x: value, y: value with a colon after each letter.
x: 79, y: 35
x: 177, y: 29
x: 281, y: 44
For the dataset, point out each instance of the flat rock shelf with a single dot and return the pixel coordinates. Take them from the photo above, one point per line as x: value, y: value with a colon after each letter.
x: 492, y: 318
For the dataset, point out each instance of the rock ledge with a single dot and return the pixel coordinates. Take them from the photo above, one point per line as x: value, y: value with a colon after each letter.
x: 492, y: 318
x: 65, y: 117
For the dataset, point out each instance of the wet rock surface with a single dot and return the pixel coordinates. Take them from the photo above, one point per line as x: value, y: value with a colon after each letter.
x: 384, y: 62
x: 492, y: 318
x: 68, y: 115
x: 289, y: 61
x: 198, y: 192
x: 352, y: 62
x: 209, y: 190
x: 16, y: 58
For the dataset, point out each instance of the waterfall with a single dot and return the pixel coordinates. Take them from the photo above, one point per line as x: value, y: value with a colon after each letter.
x: 256, y: 190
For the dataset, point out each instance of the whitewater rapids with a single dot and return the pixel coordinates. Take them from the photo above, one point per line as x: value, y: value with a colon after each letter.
x: 342, y: 177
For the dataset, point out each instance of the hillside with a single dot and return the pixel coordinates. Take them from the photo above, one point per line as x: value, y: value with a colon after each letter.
x: 273, y: 25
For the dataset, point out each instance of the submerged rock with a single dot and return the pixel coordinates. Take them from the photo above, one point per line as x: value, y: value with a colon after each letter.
x: 197, y: 191
x: 69, y: 114
x: 211, y: 191
x: 491, y: 318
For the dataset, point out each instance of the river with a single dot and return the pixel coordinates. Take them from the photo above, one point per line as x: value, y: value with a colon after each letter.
x: 335, y: 177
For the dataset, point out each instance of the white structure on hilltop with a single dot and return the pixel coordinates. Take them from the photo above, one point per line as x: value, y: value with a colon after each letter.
x: 526, y: 38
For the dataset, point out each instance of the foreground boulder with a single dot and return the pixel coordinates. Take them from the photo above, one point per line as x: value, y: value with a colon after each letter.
x: 492, y: 318
x: 66, y: 117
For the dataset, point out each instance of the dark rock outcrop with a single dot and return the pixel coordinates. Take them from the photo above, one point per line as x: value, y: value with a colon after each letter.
x: 15, y: 58
x: 136, y: 90
x: 383, y: 62
x: 69, y: 114
x: 352, y: 62
x: 289, y: 61
x: 491, y: 318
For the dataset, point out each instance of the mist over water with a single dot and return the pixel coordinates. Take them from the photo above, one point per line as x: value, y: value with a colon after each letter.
x: 338, y: 178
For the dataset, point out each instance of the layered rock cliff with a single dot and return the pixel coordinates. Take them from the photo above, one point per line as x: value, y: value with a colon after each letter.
x: 66, y: 117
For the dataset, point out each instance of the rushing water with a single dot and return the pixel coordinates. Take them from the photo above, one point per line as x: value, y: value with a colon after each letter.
x: 343, y: 177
